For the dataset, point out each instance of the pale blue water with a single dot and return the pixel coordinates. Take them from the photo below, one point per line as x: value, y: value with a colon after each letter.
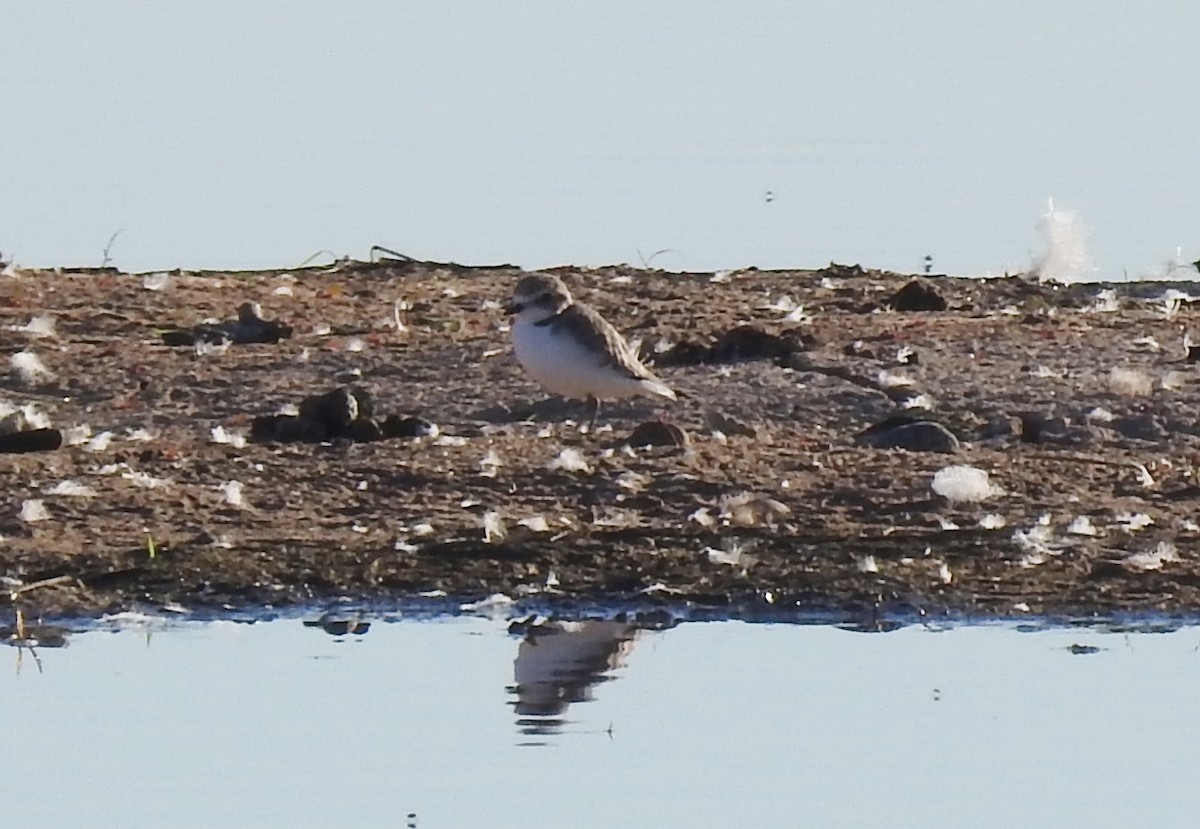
x: 705, y: 724
x: 226, y: 134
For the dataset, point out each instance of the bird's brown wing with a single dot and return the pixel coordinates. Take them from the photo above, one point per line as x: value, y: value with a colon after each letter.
x: 584, y: 323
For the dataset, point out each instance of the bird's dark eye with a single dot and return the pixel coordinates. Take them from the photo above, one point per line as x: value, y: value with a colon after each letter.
x: 516, y: 307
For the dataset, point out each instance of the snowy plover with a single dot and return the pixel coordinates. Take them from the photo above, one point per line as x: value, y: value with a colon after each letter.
x: 569, y: 349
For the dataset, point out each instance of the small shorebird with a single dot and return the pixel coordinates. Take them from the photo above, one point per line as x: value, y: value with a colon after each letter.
x: 569, y: 349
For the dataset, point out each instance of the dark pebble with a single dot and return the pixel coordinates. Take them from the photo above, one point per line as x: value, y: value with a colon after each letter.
x: 917, y: 296
x: 31, y: 440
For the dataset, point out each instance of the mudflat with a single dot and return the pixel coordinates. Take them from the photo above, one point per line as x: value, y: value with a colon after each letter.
x: 804, y: 465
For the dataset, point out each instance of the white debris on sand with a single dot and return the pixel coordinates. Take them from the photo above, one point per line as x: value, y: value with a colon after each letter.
x: 39, y: 326
x: 493, y: 527
x: 569, y: 459
x: 1129, y: 382
x: 29, y: 368
x: 33, y: 510
x: 490, y: 464
x: 1164, y: 553
x: 964, y: 484
x: 72, y: 489
x: 235, y: 439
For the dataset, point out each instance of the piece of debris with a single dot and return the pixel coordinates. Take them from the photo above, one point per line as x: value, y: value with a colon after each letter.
x: 909, y: 433
x: 249, y: 327
x: 343, y: 413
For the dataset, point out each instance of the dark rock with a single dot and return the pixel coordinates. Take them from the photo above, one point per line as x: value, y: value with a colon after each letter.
x: 249, y: 327
x: 917, y: 296
x: 31, y: 440
x: 836, y: 271
x: 287, y: 429
x: 395, y: 426
x: 729, y: 425
x: 909, y: 433
x: 335, y: 410
x: 1142, y: 427
x: 366, y: 402
x: 1000, y: 426
x: 1040, y: 428
x: 744, y: 342
x: 363, y: 430
x: 657, y: 433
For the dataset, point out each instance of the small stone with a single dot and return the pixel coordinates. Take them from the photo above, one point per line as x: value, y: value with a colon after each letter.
x: 911, y: 434
x: 395, y: 426
x: 657, y: 433
x: 335, y: 410
x: 917, y: 296
x: 31, y: 440
x: 287, y: 429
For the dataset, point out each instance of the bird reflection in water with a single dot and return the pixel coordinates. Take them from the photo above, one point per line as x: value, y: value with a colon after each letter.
x: 559, y: 662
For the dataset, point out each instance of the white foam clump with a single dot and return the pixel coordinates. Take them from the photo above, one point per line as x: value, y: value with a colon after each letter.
x: 204, y: 348
x: 493, y: 527
x: 1066, y: 258
x: 221, y: 435
x: 964, y: 484
x: 991, y: 521
x: 156, y: 281
x: 569, y: 459
x: 29, y: 367
x: 144, y: 479
x: 19, y: 418
x: 34, y: 510
x: 1164, y: 553
x: 100, y: 442
x: 944, y: 574
x: 535, y: 523
x: 1129, y: 382
x: 1174, y: 380
x: 73, y: 489
x: 40, y: 326
x: 889, y: 379
x: 232, y: 490
x: 734, y: 556
x: 1082, y: 525
x: 1106, y: 302
x: 1134, y: 521
x: 495, y: 604
x: 490, y: 464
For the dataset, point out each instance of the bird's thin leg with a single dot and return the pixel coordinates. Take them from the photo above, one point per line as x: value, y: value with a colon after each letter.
x: 594, y: 405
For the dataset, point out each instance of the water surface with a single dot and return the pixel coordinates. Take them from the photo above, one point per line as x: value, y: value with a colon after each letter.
x: 703, y: 724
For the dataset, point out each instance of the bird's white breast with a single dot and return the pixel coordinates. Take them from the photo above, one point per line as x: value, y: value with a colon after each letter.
x: 562, y: 365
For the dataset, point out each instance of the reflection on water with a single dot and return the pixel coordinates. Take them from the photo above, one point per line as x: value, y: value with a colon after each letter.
x: 559, y: 663
x: 375, y: 718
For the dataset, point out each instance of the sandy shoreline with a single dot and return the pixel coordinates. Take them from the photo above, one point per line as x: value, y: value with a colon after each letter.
x: 1079, y: 402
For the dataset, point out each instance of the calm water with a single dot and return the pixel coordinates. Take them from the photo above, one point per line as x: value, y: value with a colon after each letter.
x: 227, y: 134
x: 463, y: 723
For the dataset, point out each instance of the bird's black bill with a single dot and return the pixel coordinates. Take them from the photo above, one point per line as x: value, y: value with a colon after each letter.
x: 513, y: 307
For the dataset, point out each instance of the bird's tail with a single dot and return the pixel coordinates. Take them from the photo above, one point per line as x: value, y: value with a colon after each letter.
x: 658, y: 388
